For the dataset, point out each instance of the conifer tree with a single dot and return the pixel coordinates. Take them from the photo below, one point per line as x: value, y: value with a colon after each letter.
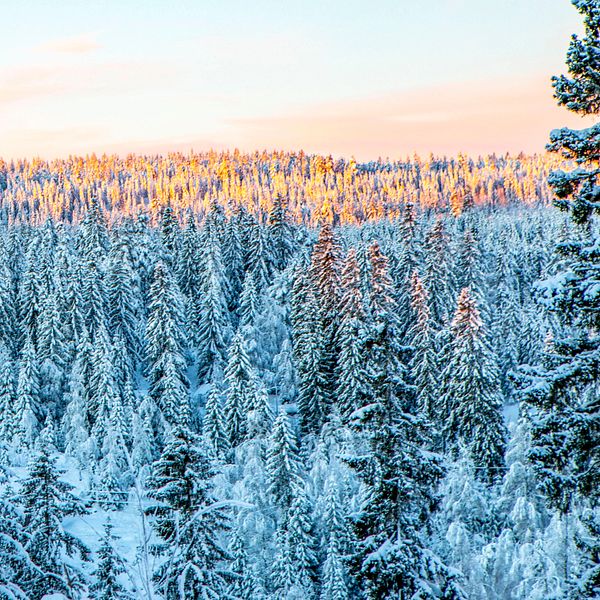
x: 169, y: 233
x: 214, y: 433
x: 469, y: 274
x: 75, y: 424
x: 143, y: 442
x: 189, y: 275
x: 249, y: 301
x: 437, y: 271
x: 52, y: 353
x: 7, y: 396
x: 165, y: 346
x: 325, y: 270
x: 470, y: 392
x: 310, y: 355
x: 283, y: 462
x: 28, y: 413
x: 188, y: 521
x: 93, y: 242
x: 240, y: 382
x: 506, y: 334
x: 259, y: 256
x: 245, y: 585
x: 563, y: 391
x: 110, y: 566
x: 123, y: 298
x: 233, y: 261
x: 103, y: 388
x: 214, y: 322
x: 352, y: 384
x: 424, y: 363
x: 46, y: 502
x: 30, y: 294
x: 300, y: 533
x: 335, y: 577
x: 8, y: 307
x: 280, y: 232
x: 94, y: 297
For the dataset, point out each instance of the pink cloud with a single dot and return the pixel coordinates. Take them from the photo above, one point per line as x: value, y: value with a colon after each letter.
x: 80, y: 44
x: 475, y: 117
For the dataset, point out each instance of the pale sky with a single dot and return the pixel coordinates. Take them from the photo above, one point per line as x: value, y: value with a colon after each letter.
x: 353, y: 78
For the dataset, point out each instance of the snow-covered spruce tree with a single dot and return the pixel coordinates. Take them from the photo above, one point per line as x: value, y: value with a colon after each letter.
x: 214, y: 320
x: 123, y: 288
x: 188, y: 522
x: 8, y: 307
x: 352, y: 384
x: 108, y: 570
x: 437, y: 273
x: 471, y: 397
x: 281, y: 232
x: 260, y: 259
x: 469, y: 265
x: 165, y: 345
x: 240, y: 383
x: 28, y: 413
x: 402, y: 268
x: 325, y: 273
x: 506, y: 333
x: 283, y: 461
x: 52, y: 354
x: 259, y: 419
x: 103, y: 387
x: 309, y: 347
x: 7, y: 396
x: 46, y: 501
x: 424, y: 362
x: 169, y: 235
x: 563, y: 394
x: 30, y: 295
x: 249, y: 301
x: 300, y: 530
x: 93, y: 240
x: 233, y: 261
x: 214, y: 434
x: 93, y: 296
x: 398, y: 472
x: 143, y: 441
x: 75, y: 425
x: 334, y: 576
x: 189, y: 274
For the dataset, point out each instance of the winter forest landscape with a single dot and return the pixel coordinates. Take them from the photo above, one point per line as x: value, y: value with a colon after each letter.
x: 300, y: 301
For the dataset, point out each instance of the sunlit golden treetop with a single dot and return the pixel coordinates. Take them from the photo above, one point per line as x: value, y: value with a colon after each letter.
x: 315, y: 188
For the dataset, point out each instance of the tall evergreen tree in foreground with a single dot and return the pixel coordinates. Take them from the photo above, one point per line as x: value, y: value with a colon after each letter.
x: 566, y: 407
x: 563, y: 394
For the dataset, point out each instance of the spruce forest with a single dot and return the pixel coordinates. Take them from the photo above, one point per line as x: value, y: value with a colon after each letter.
x: 284, y: 376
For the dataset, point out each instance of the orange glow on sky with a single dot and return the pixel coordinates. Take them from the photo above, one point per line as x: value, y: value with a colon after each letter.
x: 442, y: 77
